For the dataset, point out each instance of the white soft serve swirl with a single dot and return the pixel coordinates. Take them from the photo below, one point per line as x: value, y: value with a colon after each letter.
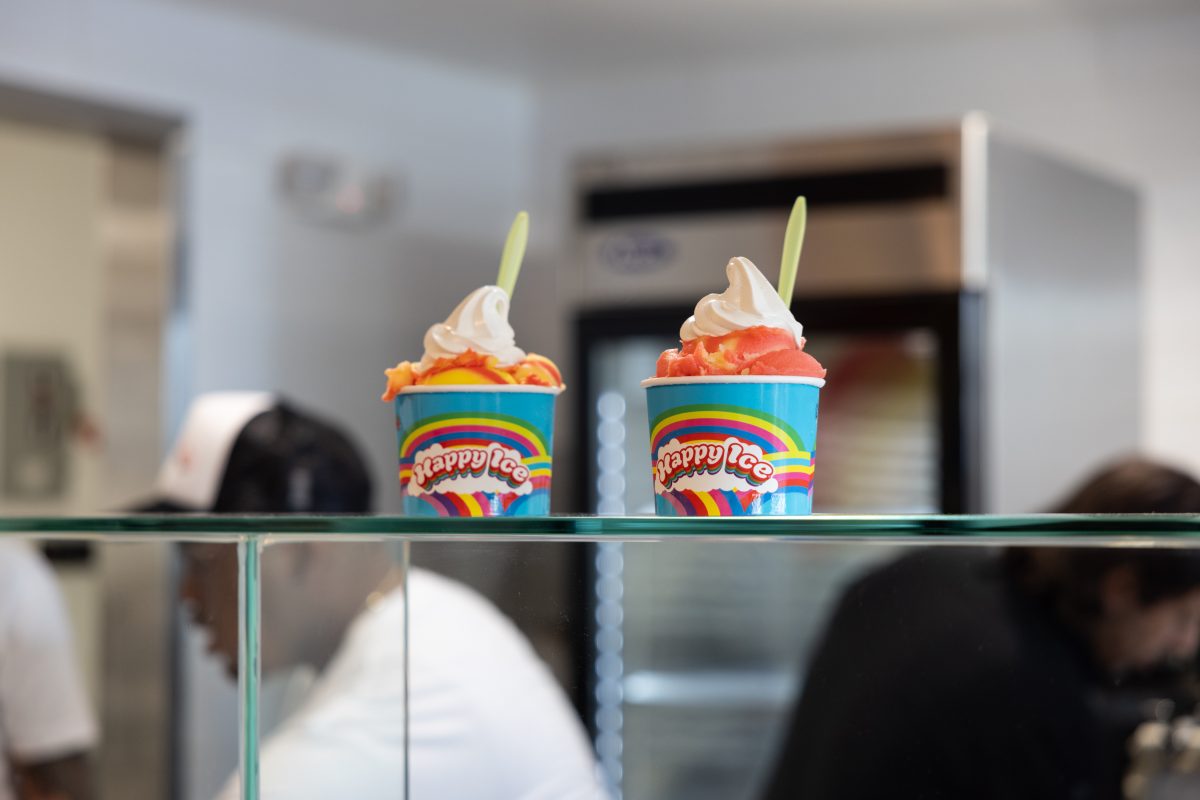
x: 479, y: 323
x: 750, y: 300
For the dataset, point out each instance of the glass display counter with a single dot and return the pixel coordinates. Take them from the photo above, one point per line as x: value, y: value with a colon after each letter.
x: 682, y: 644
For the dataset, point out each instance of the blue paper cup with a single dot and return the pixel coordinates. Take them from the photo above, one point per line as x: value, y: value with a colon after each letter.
x: 475, y: 451
x: 735, y: 445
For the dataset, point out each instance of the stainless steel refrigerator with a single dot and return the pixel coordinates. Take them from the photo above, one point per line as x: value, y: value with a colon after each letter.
x: 976, y: 302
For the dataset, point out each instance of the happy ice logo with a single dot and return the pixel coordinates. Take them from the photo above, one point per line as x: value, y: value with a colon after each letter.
x: 465, y: 470
x: 732, y: 464
x: 477, y: 454
x: 709, y: 458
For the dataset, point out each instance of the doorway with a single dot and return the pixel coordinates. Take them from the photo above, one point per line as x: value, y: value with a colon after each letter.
x: 88, y: 284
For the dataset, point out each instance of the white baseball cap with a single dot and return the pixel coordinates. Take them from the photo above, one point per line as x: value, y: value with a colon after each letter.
x: 191, y: 475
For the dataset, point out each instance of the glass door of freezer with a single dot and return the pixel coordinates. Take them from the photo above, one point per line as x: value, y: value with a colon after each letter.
x: 699, y: 647
x: 877, y: 443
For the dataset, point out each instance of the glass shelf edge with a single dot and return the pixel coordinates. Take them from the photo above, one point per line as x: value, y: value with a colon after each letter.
x: 1136, y: 530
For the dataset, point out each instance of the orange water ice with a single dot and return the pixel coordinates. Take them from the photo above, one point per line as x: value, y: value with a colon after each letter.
x: 758, y: 350
x: 472, y: 369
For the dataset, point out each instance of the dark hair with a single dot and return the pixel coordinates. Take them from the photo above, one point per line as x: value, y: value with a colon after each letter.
x: 1071, y: 576
x: 285, y: 460
x: 1134, y: 486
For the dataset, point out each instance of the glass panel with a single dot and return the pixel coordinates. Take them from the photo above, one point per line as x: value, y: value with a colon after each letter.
x: 140, y: 614
x: 209, y: 667
x: 1022, y: 672
x: 693, y: 655
x: 682, y: 647
x: 249, y: 664
x: 103, y: 678
x: 51, y: 669
x: 1145, y: 528
x: 498, y: 645
x: 332, y: 717
x: 712, y: 633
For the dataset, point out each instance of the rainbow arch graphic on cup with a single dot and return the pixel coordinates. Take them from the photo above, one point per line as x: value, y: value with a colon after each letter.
x: 781, y: 444
x: 476, y: 429
x: 481, y: 504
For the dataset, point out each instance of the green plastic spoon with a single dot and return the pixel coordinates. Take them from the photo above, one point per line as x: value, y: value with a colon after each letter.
x: 514, y: 252
x: 793, y: 241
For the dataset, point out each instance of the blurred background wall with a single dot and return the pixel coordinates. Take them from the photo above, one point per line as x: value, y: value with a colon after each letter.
x: 258, y: 283
x: 477, y: 120
x: 1115, y: 93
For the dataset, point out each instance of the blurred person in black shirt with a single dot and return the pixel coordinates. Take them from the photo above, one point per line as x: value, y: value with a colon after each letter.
x: 968, y: 673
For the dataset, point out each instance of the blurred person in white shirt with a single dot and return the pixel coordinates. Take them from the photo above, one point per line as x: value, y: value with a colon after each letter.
x: 46, y: 724
x: 486, y: 718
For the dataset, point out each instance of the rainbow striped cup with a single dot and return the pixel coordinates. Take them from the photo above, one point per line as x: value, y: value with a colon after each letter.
x: 733, y: 445
x: 475, y: 451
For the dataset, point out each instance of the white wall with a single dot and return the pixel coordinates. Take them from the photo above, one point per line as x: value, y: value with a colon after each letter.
x: 277, y: 304
x: 1122, y: 97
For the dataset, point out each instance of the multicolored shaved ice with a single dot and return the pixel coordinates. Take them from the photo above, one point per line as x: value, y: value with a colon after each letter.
x: 472, y: 369
x: 758, y: 350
